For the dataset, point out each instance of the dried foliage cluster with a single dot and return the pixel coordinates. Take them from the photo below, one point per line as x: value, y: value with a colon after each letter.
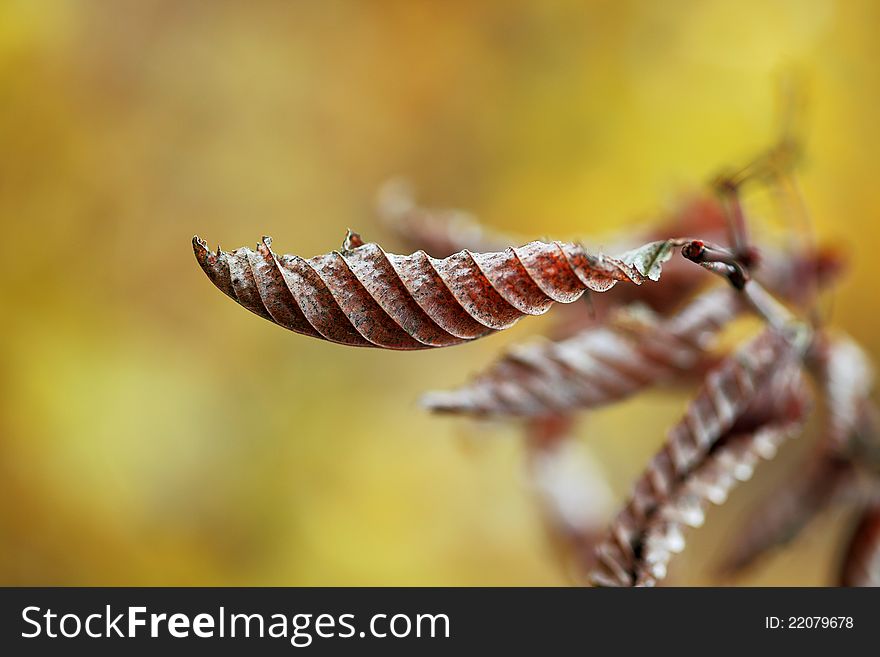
x: 465, y: 282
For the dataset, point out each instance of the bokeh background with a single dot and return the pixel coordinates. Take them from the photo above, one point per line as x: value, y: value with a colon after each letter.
x: 151, y: 432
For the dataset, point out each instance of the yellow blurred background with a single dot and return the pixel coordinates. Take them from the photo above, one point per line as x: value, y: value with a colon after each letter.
x: 153, y: 433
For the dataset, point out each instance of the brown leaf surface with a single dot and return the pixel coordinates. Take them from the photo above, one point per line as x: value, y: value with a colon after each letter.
x: 362, y: 296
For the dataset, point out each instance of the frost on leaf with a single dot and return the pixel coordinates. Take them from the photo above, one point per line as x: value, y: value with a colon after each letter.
x: 734, y: 400
x: 598, y: 366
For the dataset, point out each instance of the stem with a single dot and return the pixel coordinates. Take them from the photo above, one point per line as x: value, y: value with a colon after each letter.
x: 718, y: 260
x: 766, y: 305
x: 723, y: 262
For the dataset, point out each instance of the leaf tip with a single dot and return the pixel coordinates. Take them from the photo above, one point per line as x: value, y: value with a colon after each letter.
x: 352, y: 240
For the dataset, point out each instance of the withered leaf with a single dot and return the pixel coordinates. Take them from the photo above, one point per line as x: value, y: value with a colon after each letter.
x: 719, y: 407
x: 363, y: 296
x: 711, y: 482
x: 846, y: 379
x: 598, y: 366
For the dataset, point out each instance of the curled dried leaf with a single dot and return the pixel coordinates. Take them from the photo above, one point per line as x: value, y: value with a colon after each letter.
x: 733, y: 462
x: 846, y: 379
x: 362, y: 296
x: 720, y: 404
x: 861, y: 563
x: 598, y: 366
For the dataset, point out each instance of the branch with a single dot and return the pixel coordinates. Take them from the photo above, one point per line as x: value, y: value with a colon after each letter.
x: 725, y: 263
